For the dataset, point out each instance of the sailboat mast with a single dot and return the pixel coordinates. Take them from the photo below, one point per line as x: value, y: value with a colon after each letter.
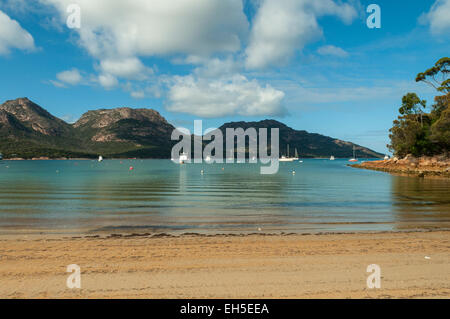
x: 287, y: 151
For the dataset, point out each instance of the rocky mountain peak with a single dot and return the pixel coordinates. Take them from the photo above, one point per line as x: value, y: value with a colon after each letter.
x: 106, y: 117
x: 34, y: 116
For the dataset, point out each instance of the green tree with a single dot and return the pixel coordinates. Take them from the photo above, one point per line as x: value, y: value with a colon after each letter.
x: 419, y: 133
x: 437, y: 76
x: 411, y: 104
x: 404, y: 136
x: 440, y: 129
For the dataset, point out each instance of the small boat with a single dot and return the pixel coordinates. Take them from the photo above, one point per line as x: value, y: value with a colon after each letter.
x: 183, y: 158
x: 386, y: 157
x: 296, y: 158
x: 208, y: 159
x: 332, y: 158
x: 353, y: 159
x: 100, y: 158
x: 287, y: 158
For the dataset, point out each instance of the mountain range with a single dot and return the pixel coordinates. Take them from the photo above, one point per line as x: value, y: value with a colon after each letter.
x: 28, y: 131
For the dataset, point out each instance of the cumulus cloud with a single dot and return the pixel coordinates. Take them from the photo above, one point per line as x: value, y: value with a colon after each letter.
x: 234, y: 95
x: 118, y: 34
x: 282, y: 27
x: 72, y: 77
x: 138, y: 94
x: 13, y: 36
x: 129, y: 68
x: 332, y: 50
x: 216, y: 88
x: 231, y: 95
x: 116, y: 28
x: 108, y: 81
x: 438, y: 17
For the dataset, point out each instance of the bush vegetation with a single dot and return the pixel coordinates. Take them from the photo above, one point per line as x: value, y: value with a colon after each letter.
x: 418, y: 132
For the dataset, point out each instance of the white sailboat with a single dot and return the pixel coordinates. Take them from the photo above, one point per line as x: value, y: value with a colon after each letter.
x: 386, y: 157
x: 353, y: 159
x: 296, y: 158
x: 286, y: 158
x: 100, y: 158
x: 332, y: 158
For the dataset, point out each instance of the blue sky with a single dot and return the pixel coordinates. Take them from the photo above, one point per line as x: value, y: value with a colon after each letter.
x: 314, y: 65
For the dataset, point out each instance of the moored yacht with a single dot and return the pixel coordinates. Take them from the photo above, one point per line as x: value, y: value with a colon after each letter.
x: 296, y: 158
x: 287, y: 158
x: 353, y: 159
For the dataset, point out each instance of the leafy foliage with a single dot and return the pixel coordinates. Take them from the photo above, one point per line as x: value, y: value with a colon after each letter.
x: 437, y: 76
x: 418, y: 133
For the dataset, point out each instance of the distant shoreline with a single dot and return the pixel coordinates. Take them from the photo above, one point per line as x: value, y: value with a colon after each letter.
x: 137, y: 158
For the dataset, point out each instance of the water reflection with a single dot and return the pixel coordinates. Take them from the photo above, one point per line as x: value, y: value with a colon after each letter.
x: 158, y: 195
x: 420, y: 202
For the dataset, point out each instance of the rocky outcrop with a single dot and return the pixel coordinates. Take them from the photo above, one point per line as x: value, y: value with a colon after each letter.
x: 424, y: 166
x: 137, y: 127
x: 106, y: 117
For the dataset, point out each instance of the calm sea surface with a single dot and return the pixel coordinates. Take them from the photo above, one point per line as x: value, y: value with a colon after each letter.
x: 160, y: 196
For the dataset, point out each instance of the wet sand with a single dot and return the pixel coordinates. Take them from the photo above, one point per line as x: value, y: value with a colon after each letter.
x: 253, y: 266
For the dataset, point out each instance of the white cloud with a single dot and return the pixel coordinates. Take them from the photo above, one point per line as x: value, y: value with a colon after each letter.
x: 214, y: 68
x: 332, y: 50
x: 13, y: 36
x: 117, y: 28
x: 129, y: 68
x: 231, y: 95
x: 282, y: 27
x: 71, y: 77
x: 138, y: 94
x: 117, y: 34
x: 438, y: 17
x: 107, y: 81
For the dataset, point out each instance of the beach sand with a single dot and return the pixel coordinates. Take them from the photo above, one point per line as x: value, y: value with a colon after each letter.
x: 252, y: 266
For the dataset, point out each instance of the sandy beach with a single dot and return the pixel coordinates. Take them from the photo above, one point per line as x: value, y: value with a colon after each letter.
x: 413, y: 265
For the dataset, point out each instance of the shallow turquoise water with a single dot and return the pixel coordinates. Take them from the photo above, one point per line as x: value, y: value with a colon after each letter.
x: 160, y: 196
